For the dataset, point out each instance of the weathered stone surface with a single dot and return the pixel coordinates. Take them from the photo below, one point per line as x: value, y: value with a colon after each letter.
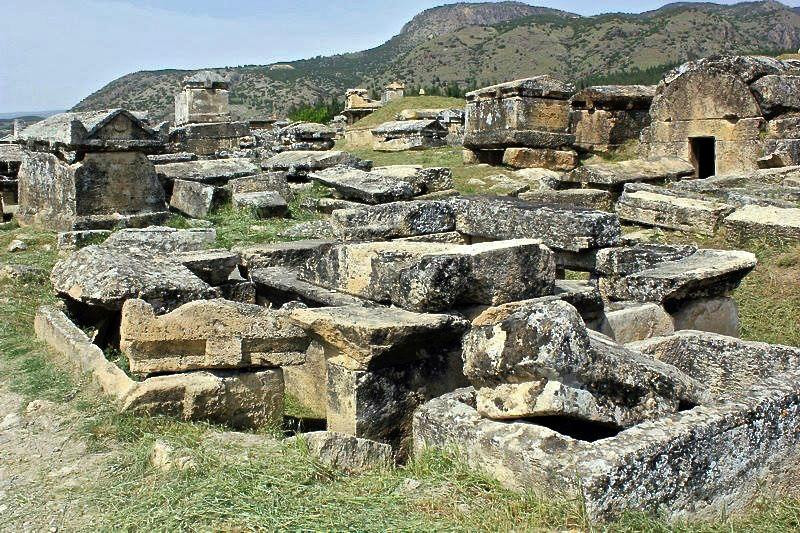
x: 625, y: 260
x: 281, y: 254
x: 500, y: 139
x: 602, y: 130
x: 426, y: 180
x: 714, y: 315
x: 236, y: 399
x: 210, y: 171
x: 355, y: 184
x: 596, y: 199
x: 726, y: 365
x: 328, y: 205
x: 264, y: 204
x: 162, y: 240
x: 196, y: 199
x: 661, y: 207
x: 615, y: 97
x: 557, y: 227
x: 299, y: 163
x: 364, y: 338
x: 178, y: 157
x: 396, y: 219
x: 212, y: 266
x: 705, y: 273
x: 379, y: 404
x: 203, y: 98
x: 404, y: 135
x: 777, y: 93
x: 306, y: 136
x: 629, y: 322
x: 106, y: 277
x: 451, y: 237
x: 347, y: 453
x: 611, y: 175
x: 278, y: 285
x: 213, y: 334
x: 436, y: 277
x: 101, y: 191
x: 540, y: 158
x: 265, y: 181
x: 771, y: 223
x: 312, y: 229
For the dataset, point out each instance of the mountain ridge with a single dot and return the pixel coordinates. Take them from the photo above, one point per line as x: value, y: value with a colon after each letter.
x: 470, y: 45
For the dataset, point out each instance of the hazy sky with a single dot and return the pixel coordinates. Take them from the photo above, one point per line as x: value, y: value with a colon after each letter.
x: 55, y: 52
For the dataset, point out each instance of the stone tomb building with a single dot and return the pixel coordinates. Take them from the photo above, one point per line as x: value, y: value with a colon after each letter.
x: 358, y: 104
x: 89, y: 171
x: 522, y: 123
x: 727, y: 115
x: 605, y: 117
x: 203, y: 120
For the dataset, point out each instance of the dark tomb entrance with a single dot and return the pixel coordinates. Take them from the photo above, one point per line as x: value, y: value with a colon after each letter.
x: 704, y: 156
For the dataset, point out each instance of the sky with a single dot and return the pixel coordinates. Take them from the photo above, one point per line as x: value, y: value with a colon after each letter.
x: 53, y: 53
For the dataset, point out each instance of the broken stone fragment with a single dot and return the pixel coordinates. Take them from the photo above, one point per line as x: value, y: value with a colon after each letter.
x: 212, y: 266
x: 396, y: 219
x: 665, y: 208
x: 213, y: 334
x: 558, y: 227
x: 368, y: 187
x: 264, y: 204
x: 705, y: 273
x: 107, y: 276
x: 424, y: 276
x: 196, y: 199
x: 346, y: 452
x: 162, y: 240
x: 369, y: 338
x: 547, y: 340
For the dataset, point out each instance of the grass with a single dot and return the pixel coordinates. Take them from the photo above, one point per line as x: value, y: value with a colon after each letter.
x: 276, y: 485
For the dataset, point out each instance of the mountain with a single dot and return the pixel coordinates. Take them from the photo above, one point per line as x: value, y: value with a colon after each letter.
x: 471, y: 45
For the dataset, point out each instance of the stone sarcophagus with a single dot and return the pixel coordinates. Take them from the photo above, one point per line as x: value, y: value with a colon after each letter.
x: 607, y: 116
x: 204, y: 98
x: 89, y: 171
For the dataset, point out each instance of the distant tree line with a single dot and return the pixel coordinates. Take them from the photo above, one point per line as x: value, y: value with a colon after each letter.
x: 322, y: 111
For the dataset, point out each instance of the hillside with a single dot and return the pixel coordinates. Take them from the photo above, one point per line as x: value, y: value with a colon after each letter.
x: 472, y: 45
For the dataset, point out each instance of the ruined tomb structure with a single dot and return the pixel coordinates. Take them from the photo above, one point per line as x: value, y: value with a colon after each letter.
x: 203, y: 123
x: 89, y: 170
x: 522, y: 123
x: 393, y: 91
x: 358, y: 104
x: 605, y: 117
x: 401, y: 135
x: 727, y: 115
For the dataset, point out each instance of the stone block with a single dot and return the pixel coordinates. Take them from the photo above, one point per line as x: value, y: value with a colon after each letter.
x: 265, y: 181
x: 630, y: 321
x: 196, y: 199
x: 396, y: 219
x: 214, y: 334
x: 616, y: 175
x: 540, y: 158
x: 354, y: 184
x: 596, y: 199
x: 291, y: 254
x: 714, y: 315
x: 347, y: 453
x: 264, y: 204
x: 162, y: 240
x: 208, y: 171
x: 764, y: 222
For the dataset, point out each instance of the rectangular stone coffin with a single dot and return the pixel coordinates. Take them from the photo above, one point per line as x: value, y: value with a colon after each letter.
x: 424, y: 276
x: 216, y: 334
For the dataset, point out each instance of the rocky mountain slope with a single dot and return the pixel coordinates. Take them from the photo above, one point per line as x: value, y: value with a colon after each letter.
x: 473, y: 45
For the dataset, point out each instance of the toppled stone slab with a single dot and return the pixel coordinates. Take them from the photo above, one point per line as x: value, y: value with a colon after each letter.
x: 196, y: 199
x: 657, y: 206
x: 726, y: 365
x: 396, y: 219
x: 625, y: 260
x: 771, y: 223
x: 214, y: 334
x: 162, y: 240
x: 299, y: 163
x: 178, y: 157
x: 615, y: 175
x: 558, y: 227
x: 371, y: 188
x: 238, y: 399
x: 347, y: 453
x: 705, y: 273
x: 278, y: 285
x: 404, y: 135
x: 426, y: 180
x: 106, y: 277
x: 423, y: 276
x: 212, y: 266
x: 281, y: 254
x: 369, y: 338
x: 501, y: 139
x: 549, y: 158
x: 265, y: 204
x: 596, y: 199
x: 209, y: 171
